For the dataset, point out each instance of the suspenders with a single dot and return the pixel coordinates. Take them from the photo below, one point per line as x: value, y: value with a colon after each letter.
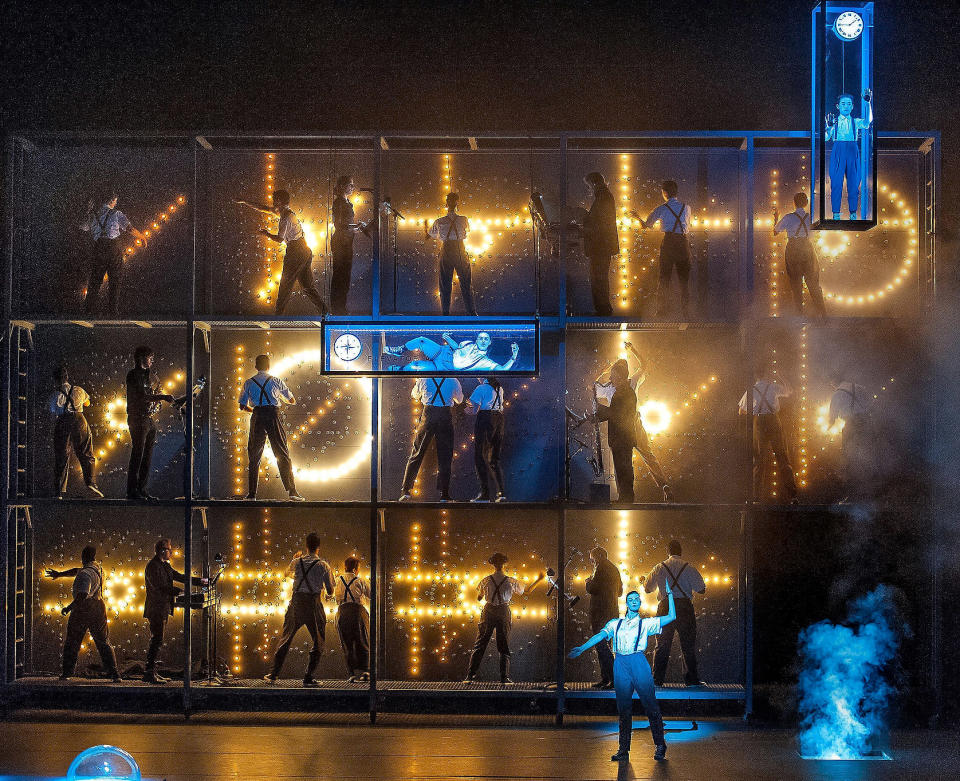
x: 453, y: 226
x: 673, y: 579
x: 304, y: 571
x: 676, y: 218
x: 853, y: 398
x: 437, y: 393
x: 803, y: 224
x: 496, y: 594
x: 68, y: 405
x: 95, y: 593
x: 346, y: 587
x: 497, y: 405
x: 264, y: 398
x: 636, y: 643
x: 103, y: 224
x: 764, y: 402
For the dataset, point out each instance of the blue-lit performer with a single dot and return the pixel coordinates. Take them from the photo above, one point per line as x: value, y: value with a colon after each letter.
x: 631, y: 671
x: 452, y: 229
x: 800, y: 256
x: 468, y: 356
x: 844, y: 131
x: 674, y: 219
x: 486, y: 402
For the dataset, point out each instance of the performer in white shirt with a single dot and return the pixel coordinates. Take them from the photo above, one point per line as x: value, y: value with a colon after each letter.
x: 496, y: 590
x: 486, y: 402
x: 436, y: 420
x: 764, y: 405
x: 631, y: 671
x: 844, y: 132
x: 674, y: 219
x: 452, y: 229
x: 468, y: 356
x: 800, y: 256
x: 353, y: 619
x: 71, y: 431
x: 851, y: 403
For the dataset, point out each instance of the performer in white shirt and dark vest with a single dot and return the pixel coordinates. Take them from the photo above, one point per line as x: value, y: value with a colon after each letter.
x: 311, y: 577
x: 631, y: 671
x: 684, y: 581
x: 88, y: 613
x: 143, y: 402
x: 436, y: 421
x: 452, y: 229
x: 353, y: 619
x: 496, y: 589
x: 297, y: 258
x: 800, y: 257
x: 674, y: 219
x: 486, y: 402
x: 764, y: 405
x: 851, y: 404
x: 262, y: 395
x: 844, y: 132
x: 71, y: 431
x: 105, y: 225
x: 600, y: 241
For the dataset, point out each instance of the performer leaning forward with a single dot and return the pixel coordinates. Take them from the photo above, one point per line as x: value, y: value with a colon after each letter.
x: 497, y: 589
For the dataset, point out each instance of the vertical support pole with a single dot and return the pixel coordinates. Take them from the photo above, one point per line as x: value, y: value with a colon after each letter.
x: 375, y: 601
x: 562, y: 281
x: 747, y: 249
x: 746, y: 535
x: 377, y: 200
x: 188, y: 520
x: 561, y: 615
x: 932, y: 185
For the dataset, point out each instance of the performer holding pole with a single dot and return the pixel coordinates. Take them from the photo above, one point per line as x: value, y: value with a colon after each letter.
x: 674, y: 219
x: 600, y: 241
x: 143, y: 402
x: 297, y: 257
x: 496, y: 590
x: 436, y: 420
x: 106, y: 224
x: 353, y: 619
x: 844, y: 132
x: 604, y: 587
x: 800, y: 256
x: 71, y: 431
x: 631, y: 671
x: 486, y: 402
x: 452, y: 229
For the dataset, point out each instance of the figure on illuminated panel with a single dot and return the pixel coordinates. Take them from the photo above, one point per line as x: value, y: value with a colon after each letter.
x: 800, y: 256
x: 345, y: 227
x: 843, y: 130
x: 352, y: 594
x: 486, y: 402
x: 451, y: 230
x: 466, y: 355
x: 605, y: 587
x: 71, y: 432
x: 495, y: 591
x: 600, y: 241
x: 438, y: 395
x: 143, y: 402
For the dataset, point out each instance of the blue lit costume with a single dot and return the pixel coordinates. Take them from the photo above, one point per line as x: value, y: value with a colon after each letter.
x: 845, y: 157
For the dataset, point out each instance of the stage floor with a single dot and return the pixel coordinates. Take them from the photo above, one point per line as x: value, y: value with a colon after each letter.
x: 218, y: 747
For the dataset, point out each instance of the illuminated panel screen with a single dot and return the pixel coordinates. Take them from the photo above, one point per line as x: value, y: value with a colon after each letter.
x: 432, y: 350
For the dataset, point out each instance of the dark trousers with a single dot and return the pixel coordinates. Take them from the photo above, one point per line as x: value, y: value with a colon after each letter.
x: 767, y: 433
x: 297, y: 268
x: 674, y: 253
x: 856, y: 450
x: 265, y: 424
x: 71, y: 431
x: 604, y: 654
x: 646, y: 453
x: 342, y: 252
x: 623, y: 469
x: 493, y: 618
x: 106, y: 260
x: 845, y: 163
x: 600, y: 284
x: 88, y: 615
x: 353, y: 625
x: 685, y: 625
x: 487, y: 442
x: 434, y: 422
x: 803, y: 266
x: 143, y: 435
x: 631, y: 673
x: 304, y: 610
x: 453, y: 257
x: 157, y: 624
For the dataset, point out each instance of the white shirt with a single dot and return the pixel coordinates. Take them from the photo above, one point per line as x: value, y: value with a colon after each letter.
x: 484, y: 397
x: 425, y: 391
x: 318, y: 575
x: 89, y: 581
x: 359, y: 589
x: 632, y: 635
x: 796, y: 224
x: 668, y: 218
x: 508, y: 587
x: 847, y: 127
x: 274, y: 389
x: 449, y: 228
x: 289, y: 228
x: 58, y: 400
x: 688, y: 579
x: 848, y: 401
x: 766, y: 398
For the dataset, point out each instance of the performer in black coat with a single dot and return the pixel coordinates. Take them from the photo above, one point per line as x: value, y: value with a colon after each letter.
x: 605, y: 587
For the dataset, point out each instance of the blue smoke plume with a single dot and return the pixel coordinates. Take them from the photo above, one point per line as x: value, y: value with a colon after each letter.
x: 844, y: 691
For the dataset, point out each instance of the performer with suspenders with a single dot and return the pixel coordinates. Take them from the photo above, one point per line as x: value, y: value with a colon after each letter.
x: 353, y: 619
x: 674, y: 218
x: 486, y: 402
x: 497, y: 589
x: 684, y: 581
x: 71, y: 431
x: 262, y: 395
x: 850, y: 403
x: 436, y: 420
x: 105, y: 225
x: 452, y: 229
x: 88, y: 613
x: 631, y: 671
x: 800, y: 257
x: 311, y: 576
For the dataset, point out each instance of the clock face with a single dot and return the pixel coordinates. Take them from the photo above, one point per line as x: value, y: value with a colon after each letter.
x: 347, y: 347
x: 849, y: 25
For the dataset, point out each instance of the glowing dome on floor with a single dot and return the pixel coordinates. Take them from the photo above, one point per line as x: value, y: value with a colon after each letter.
x: 103, y: 763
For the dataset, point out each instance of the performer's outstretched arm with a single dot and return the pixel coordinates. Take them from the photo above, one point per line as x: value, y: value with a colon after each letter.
x: 576, y: 651
x: 260, y: 207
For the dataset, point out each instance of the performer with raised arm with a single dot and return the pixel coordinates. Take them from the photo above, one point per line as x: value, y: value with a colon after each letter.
x: 600, y: 241
x: 495, y: 590
x: 800, y: 256
x: 631, y: 671
x: 71, y: 431
x: 844, y: 131
x: 298, y: 256
x: 674, y: 219
x: 486, y: 402
x: 143, y: 402
x: 452, y: 229
x: 105, y: 224
x: 353, y: 619
x: 262, y: 395
x: 437, y: 395
x: 468, y: 356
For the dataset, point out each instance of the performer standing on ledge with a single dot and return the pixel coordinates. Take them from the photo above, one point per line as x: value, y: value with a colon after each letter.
x: 851, y: 404
x: 341, y: 244
x: 88, y: 613
x: 621, y: 417
x: 800, y: 256
x: 143, y: 402
x: 454, y: 356
x: 844, y: 131
x: 631, y: 671
x: 297, y: 257
x: 684, y: 581
x: 604, y: 587
x: 262, y: 395
x: 600, y: 241
x: 105, y: 225
x: 497, y: 589
x: 311, y: 576
x: 767, y: 431
x: 674, y: 219
x: 452, y: 229
x: 486, y: 402
x: 159, y: 577
x: 436, y: 420
x: 353, y: 619
x: 71, y: 431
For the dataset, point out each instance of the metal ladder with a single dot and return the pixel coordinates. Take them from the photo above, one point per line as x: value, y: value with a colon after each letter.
x: 19, y: 591
x: 21, y: 397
